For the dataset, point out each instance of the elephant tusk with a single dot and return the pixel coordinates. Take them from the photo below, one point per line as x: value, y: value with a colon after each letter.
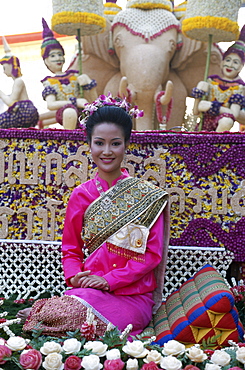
x: 123, y: 91
x: 165, y: 99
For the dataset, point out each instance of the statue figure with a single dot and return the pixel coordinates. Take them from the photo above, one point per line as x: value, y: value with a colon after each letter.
x: 21, y: 112
x: 225, y: 95
x: 62, y: 90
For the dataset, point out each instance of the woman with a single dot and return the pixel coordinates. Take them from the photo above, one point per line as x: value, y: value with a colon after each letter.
x: 113, y: 252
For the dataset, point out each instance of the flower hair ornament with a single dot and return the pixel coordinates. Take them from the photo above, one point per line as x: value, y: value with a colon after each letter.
x: 103, y: 100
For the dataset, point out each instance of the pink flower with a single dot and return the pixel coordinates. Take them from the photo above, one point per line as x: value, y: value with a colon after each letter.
x: 117, y: 364
x: 31, y: 359
x: 4, y: 352
x: 73, y: 363
x: 235, y: 368
x: 19, y: 301
x: 150, y: 366
x: 192, y: 367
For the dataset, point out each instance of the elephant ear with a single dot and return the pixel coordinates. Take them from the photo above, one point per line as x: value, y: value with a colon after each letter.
x: 98, y: 45
x: 185, y: 53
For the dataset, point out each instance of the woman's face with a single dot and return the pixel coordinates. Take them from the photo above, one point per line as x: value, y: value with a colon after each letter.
x: 108, y: 149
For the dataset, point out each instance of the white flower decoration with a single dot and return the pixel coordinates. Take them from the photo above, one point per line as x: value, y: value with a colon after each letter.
x: 53, y: 361
x: 135, y: 349
x: 132, y: 364
x: 16, y: 343
x: 154, y: 356
x: 98, y: 348
x: 71, y: 345
x: 240, y: 355
x: 91, y: 362
x: 220, y: 358
x: 196, y: 354
x: 212, y: 367
x: 50, y: 347
x: 113, y: 354
x: 170, y: 363
x: 174, y: 348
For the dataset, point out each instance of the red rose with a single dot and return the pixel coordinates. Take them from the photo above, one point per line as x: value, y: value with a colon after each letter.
x: 150, y: 366
x: 31, y: 359
x: 4, y: 352
x: 73, y: 363
x: 208, y: 352
x: 2, y: 321
x: 117, y: 364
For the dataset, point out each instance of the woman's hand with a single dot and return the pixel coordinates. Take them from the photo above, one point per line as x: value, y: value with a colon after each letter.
x: 84, y: 280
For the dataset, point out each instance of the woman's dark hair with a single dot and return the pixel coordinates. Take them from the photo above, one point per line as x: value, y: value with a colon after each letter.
x: 110, y: 114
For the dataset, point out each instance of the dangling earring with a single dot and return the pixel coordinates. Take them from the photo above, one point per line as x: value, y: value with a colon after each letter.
x: 124, y: 163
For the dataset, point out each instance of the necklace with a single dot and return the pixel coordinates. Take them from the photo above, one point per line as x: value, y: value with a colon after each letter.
x: 106, y: 201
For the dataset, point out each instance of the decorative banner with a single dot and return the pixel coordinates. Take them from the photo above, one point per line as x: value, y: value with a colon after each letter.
x: 204, y: 174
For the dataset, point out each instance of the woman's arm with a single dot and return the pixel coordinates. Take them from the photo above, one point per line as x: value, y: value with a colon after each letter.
x: 72, y: 244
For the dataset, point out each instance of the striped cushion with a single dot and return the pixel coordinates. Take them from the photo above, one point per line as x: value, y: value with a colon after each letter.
x: 201, y: 308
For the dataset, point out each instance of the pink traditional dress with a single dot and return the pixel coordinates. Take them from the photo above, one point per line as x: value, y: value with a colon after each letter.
x: 120, y: 234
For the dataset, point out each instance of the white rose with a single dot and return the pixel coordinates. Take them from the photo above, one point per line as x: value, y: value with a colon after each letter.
x: 50, y: 347
x: 98, y: 348
x: 212, y: 367
x: 71, y: 345
x: 240, y: 355
x: 170, y: 363
x: 135, y: 349
x: 154, y: 356
x: 2, y: 342
x: 220, y: 358
x: 53, y: 361
x: 195, y: 354
x: 16, y: 343
x: 91, y: 362
x: 113, y: 354
x: 132, y: 364
x: 172, y: 347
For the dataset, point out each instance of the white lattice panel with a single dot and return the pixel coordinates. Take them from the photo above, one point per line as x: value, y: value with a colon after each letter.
x: 30, y: 267
x: 35, y: 267
x: 184, y: 262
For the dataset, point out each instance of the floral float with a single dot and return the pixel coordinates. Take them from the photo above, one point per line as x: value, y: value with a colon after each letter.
x: 113, y: 351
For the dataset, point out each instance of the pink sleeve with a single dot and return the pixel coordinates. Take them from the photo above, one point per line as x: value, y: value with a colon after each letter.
x: 135, y: 271
x: 72, y: 255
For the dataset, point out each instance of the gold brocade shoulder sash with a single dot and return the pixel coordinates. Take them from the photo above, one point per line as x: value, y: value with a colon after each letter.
x: 132, y: 200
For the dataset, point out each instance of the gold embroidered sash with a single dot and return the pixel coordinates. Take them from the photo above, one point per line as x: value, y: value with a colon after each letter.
x: 132, y: 200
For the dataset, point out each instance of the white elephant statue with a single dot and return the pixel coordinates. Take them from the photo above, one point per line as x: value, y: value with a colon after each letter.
x: 146, y: 57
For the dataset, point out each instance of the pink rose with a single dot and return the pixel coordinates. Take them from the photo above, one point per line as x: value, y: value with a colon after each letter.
x: 150, y: 366
x: 4, y: 352
x: 117, y: 364
x: 31, y: 359
x: 73, y: 363
x: 192, y: 367
x: 235, y: 368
